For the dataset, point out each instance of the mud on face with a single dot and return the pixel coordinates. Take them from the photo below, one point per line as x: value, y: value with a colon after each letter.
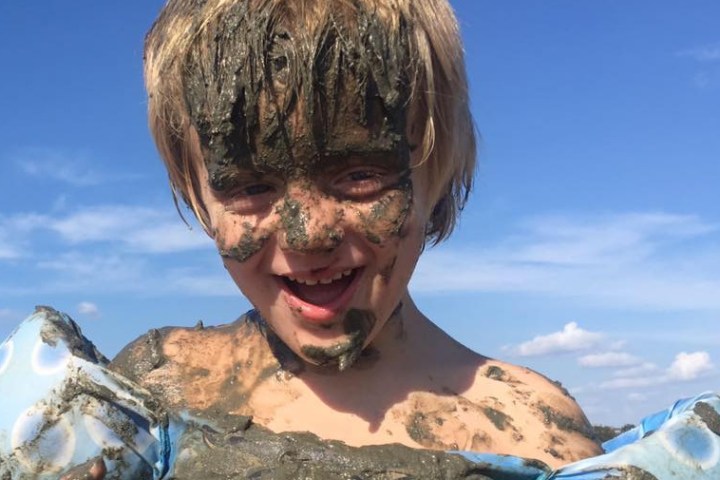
x: 287, y: 93
x: 268, y: 84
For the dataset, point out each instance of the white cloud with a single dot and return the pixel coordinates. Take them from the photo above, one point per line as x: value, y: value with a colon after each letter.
x: 572, y: 338
x: 123, y: 272
x: 141, y: 228
x: 594, y: 241
x: 621, y: 261
x: 608, y: 359
x: 91, y: 273
x: 13, y: 234
x: 8, y: 252
x: 171, y: 236
x: 635, y: 382
x: 686, y: 367
x: 645, y: 368
x: 46, y: 163
x: 689, y: 366
x: 637, y: 397
x: 88, y: 308
x: 137, y: 228
x: 703, y: 53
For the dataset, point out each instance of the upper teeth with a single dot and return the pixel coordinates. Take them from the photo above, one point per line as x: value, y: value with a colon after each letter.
x: 323, y: 281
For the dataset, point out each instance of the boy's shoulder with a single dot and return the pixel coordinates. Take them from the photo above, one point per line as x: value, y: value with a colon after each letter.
x: 190, y: 367
x: 521, y: 412
x: 500, y: 408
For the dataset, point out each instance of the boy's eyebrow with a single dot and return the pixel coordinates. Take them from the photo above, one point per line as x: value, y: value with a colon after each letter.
x: 226, y: 177
x: 393, y: 156
x: 387, y: 144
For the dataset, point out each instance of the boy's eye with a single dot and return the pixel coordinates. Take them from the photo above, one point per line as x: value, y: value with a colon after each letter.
x: 249, y: 198
x: 258, y: 189
x: 362, y: 183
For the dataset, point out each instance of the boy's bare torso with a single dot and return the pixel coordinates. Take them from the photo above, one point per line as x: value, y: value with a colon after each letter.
x: 428, y: 391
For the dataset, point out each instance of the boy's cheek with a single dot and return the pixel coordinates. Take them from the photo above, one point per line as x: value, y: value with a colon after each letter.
x: 386, y: 220
x: 240, y: 241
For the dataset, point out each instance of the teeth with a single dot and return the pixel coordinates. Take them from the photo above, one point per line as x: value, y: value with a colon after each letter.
x: 323, y: 281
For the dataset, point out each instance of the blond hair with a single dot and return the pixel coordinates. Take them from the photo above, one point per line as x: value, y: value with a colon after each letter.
x: 434, y: 70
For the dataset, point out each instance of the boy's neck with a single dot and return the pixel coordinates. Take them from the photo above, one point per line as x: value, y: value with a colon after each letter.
x: 409, y: 355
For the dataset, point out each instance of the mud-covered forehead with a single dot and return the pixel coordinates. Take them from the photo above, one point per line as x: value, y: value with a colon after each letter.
x: 274, y: 87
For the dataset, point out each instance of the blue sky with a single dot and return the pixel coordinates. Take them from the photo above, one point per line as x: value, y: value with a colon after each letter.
x: 590, y: 250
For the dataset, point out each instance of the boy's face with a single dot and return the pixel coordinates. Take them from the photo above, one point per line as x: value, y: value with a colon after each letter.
x: 325, y: 249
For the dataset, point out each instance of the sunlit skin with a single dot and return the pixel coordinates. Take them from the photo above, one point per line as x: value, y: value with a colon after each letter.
x: 390, y: 377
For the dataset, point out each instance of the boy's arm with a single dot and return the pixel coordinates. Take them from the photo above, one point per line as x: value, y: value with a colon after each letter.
x: 142, y: 361
x: 567, y: 431
x: 531, y: 416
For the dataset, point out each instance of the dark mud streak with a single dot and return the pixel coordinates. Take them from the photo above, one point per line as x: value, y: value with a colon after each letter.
x: 419, y: 429
x: 494, y: 372
x: 498, y: 418
x: 551, y: 451
x: 254, y: 452
x: 248, y: 245
x: 357, y: 325
x: 388, y: 215
x: 709, y: 415
x: 294, y: 222
x: 563, y: 422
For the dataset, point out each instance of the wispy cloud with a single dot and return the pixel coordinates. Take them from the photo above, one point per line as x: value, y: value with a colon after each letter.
x: 644, y: 368
x: 703, y: 53
x: 572, y: 338
x: 13, y: 232
x: 134, y: 228
x: 646, y: 261
x: 140, y: 228
x: 82, y: 272
x: 124, y: 272
x: 88, y: 308
x: 74, y: 169
x: 608, y: 359
x: 7, y: 251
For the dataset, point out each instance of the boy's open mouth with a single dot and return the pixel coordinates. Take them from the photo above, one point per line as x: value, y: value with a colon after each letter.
x: 321, y: 292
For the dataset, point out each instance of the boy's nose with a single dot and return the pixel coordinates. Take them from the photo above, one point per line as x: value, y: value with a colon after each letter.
x: 310, y: 222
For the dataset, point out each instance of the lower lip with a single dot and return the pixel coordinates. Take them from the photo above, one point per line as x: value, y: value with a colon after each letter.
x: 321, y: 314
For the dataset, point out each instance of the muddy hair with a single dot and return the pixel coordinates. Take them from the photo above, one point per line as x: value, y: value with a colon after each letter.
x: 407, y: 53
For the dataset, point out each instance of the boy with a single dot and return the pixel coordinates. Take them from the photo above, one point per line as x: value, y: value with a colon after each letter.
x: 321, y: 144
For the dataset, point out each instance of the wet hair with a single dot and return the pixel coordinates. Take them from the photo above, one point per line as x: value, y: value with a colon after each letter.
x: 212, y: 65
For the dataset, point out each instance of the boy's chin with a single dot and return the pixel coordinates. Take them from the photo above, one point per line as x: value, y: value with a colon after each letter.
x: 343, y: 349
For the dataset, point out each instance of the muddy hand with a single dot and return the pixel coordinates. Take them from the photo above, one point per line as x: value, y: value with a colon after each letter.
x: 93, y: 469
